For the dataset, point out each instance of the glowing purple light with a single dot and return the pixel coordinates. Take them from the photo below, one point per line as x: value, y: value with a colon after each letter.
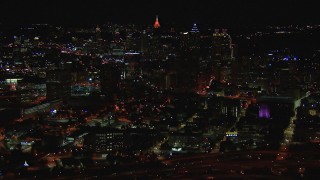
x: 264, y: 111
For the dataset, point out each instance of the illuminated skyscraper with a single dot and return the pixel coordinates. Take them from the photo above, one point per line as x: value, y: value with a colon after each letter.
x: 184, y: 41
x: 222, y: 48
x: 222, y: 56
x: 190, y: 40
x: 194, y: 37
x: 156, y: 23
x: 194, y: 29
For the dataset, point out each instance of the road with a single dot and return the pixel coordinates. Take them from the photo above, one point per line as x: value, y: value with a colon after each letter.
x: 261, y: 164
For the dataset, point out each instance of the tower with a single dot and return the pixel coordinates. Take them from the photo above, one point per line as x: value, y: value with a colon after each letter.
x: 156, y: 23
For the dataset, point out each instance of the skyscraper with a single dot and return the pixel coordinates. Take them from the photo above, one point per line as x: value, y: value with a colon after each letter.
x: 184, y: 41
x: 194, y: 37
x: 98, y: 34
x: 222, y: 56
x: 156, y: 23
x: 222, y: 48
x: 190, y: 40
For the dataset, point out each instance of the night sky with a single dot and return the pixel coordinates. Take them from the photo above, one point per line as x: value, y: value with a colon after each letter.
x: 224, y: 12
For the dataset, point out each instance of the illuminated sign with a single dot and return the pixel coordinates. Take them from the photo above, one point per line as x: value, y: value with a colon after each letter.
x: 13, y: 81
x: 176, y: 149
x: 232, y: 134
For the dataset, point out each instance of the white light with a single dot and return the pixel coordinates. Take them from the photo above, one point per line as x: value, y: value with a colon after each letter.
x: 25, y: 164
x: 176, y: 149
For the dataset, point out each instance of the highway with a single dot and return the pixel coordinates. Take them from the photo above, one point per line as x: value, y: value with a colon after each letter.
x: 262, y: 164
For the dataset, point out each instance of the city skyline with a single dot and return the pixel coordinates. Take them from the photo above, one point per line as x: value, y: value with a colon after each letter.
x: 159, y: 89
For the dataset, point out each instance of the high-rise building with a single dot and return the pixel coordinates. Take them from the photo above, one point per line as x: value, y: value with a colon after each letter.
x: 184, y: 41
x: 194, y: 40
x: 104, y: 140
x: 221, y: 46
x: 133, y: 42
x: 222, y: 56
x: 188, y: 64
x: 132, y: 68
x: 190, y: 40
x: 150, y: 44
x: 58, y: 84
x: 144, y: 41
x: 156, y: 23
x: 98, y: 34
